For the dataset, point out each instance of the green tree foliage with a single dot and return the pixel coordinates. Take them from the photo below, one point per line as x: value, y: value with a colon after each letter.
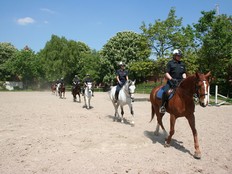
x: 164, y: 36
x: 141, y: 69
x: 63, y: 58
x: 7, y: 51
x: 215, y: 55
x: 125, y: 46
x: 91, y: 66
x: 25, y: 66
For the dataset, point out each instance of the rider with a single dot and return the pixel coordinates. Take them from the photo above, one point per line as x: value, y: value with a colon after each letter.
x: 75, y: 81
x: 122, y: 77
x: 175, y: 72
x: 86, y: 80
x: 62, y: 81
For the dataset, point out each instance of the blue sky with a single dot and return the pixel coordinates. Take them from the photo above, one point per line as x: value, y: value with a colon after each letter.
x: 94, y: 22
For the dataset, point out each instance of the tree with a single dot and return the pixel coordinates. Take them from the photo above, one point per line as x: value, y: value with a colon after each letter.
x: 164, y: 35
x: 126, y: 46
x: 25, y: 66
x: 7, y: 51
x: 62, y: 58
x: 215, y: 55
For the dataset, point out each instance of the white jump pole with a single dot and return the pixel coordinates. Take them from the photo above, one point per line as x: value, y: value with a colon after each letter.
x: 208, y: 93
x: 216, y: 94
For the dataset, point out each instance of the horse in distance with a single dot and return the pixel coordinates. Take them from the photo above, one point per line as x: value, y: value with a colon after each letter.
x: 88, y: 94
x: 182, y: 105
x: 125, y: 97
x: 76, y: 90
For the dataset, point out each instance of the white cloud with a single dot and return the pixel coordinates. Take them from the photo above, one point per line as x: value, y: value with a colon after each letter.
x: 47, y: 10
x: 25, y: 21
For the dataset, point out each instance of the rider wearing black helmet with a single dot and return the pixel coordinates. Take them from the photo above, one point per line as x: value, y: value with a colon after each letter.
x: 75, y: 81
x: 175, y: 72
x: 86, y: 80
x: 122, y: 77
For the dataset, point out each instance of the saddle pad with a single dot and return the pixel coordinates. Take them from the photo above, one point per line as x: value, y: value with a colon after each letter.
x: 160, y: 93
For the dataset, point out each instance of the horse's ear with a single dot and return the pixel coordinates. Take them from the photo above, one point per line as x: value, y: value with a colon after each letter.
x: 134, y: 81
x: 197, y: 75
x: 208, y: 75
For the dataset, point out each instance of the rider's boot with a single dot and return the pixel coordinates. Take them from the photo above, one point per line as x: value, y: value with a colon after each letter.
x: 162, y: 109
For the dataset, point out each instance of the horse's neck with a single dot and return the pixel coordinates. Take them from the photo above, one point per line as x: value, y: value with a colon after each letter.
x: 188, y: 85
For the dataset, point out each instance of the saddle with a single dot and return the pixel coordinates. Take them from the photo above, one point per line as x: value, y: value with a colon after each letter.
x: 170, y: 93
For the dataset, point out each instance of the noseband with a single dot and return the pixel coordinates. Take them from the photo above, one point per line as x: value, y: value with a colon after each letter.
x: 197, y: 92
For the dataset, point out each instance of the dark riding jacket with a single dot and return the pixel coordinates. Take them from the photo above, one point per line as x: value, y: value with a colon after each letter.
x: 122, y: 76
x: 176, y: 69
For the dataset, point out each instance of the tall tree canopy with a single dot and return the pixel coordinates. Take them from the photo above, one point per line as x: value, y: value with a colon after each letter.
x: 126, y: 46
x: 215, y: 54
x: 7, y: 51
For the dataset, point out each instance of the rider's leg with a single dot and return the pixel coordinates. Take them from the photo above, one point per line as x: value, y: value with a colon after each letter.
x: 164, y: 99
x: 117, y: 92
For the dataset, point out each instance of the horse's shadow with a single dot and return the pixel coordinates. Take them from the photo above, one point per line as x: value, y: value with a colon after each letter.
x: 161, y: 139
x: 90, y: 107
x: 118, y: 119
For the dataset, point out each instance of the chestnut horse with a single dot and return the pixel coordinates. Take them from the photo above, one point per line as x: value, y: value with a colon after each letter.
x: 182, y: 105
x: 53, y: 88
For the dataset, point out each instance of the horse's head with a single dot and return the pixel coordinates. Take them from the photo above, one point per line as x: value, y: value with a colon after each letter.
x: 202, y: 84
x: 89, y: 86
x: 131, y: 88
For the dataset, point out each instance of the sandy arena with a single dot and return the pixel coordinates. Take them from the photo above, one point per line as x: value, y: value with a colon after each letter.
x: 42, y: 134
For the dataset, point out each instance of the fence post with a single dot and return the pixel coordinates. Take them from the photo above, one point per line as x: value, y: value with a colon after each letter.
x: 216, y: 94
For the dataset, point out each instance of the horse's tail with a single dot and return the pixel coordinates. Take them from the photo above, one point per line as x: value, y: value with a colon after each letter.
x: 152, y: 112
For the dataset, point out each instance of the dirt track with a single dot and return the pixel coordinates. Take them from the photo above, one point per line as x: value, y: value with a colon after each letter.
x: 40, y: 133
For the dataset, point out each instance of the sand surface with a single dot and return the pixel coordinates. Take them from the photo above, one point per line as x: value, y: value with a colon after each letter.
x: 42, y: 134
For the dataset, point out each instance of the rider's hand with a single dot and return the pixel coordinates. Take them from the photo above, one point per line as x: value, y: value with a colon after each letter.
x: 174, y: 81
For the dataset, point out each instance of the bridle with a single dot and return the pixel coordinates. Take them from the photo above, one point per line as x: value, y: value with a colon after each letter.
x: 197, y: 87
x: 128, y: 91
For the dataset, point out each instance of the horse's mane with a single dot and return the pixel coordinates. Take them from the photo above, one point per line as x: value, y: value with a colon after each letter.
x: 188, y: 83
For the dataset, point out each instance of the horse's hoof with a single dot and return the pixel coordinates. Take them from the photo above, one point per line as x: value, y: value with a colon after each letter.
x: 197, y: 155
x: 166, y: 145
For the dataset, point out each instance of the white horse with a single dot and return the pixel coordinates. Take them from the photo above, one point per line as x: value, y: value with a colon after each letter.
x: 125, y: 97
x: 88, y: 94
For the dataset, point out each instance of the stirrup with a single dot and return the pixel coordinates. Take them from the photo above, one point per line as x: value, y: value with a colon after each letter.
x: 162, y: 110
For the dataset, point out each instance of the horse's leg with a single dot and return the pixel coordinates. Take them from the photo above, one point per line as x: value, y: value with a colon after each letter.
x: 132, y: 113
x: 152, y: 116
x: 191, y: 121
x: 159, y: 121
x: 172, y: 130
x: 122, y: 113
x: 79, y: 97
x: 89, y: 102
x: 115, y: 110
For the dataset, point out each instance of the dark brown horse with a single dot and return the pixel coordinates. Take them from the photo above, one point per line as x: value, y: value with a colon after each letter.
x: 76, y: 90
x: 182, y: 105
x: 61, y: 90
x: 53, y: 88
